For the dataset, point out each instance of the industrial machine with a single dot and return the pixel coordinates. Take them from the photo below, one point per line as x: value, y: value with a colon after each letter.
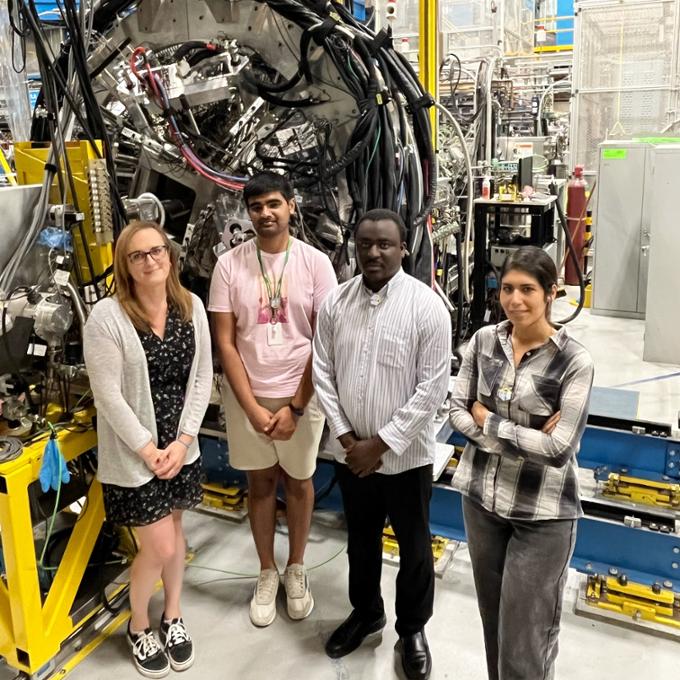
x: 502, y: 226
x: 161, y: 110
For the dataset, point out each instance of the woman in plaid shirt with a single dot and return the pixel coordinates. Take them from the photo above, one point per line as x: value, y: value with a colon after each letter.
x: 521, y: 399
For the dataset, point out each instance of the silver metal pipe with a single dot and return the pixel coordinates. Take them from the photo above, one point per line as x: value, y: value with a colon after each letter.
x: 78, y: 304
x: 489, y: 110
x: 463, y: 267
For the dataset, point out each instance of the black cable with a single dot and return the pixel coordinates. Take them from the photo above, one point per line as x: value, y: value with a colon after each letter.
x: 105, y: 546
x: 458, y: 336
x: 51, y: 101
x: 368, y: 161
x: 572, y: 253
x: 93, y: 111
x: 452, y: 87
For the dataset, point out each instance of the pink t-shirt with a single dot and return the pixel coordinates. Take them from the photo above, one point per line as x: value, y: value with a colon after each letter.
x: 237, y: 286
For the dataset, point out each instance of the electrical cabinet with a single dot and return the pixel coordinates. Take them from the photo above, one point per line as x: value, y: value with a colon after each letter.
x: 662, y: 325
x: 622, y: 229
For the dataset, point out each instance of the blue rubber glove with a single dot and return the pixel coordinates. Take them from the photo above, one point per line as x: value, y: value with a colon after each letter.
x: 53, y: 467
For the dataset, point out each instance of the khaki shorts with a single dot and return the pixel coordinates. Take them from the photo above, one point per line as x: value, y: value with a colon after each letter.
x: 250, y: 450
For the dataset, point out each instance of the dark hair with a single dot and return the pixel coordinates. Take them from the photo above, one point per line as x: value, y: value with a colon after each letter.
x: 536, y: 263
x: 383, y: 214
x: 265, y: 183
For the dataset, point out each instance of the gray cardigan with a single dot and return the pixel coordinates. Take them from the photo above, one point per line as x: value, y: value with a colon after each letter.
x: 119, y: 377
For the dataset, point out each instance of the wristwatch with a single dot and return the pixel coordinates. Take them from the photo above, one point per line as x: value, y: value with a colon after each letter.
x: 299, y: 412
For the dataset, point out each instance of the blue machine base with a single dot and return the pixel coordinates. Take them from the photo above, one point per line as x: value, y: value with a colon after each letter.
x: 645, y: 556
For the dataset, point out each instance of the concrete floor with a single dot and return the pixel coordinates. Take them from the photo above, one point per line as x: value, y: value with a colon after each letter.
x: 228, y: 646
x: 616, y: 346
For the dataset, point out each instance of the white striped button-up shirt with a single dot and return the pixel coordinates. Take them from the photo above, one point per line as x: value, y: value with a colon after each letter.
x: 382, y: 365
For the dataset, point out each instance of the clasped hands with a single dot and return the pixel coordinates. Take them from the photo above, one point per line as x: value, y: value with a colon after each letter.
x: 480, y: 413
x: 280, y: 425
x: 362, y: 456
x: 164, y: 463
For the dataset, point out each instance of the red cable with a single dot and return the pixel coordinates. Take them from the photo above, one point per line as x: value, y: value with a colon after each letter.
x: 133, y: 66
x: 154, y: 86
x: 141, y: 51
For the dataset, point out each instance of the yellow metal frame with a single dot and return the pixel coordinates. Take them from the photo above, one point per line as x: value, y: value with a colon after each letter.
x: 636, y: 600
x: 391, y: 546
x: 553, y: 48
x: 644, y: 491
x: 428, y: 54
x: 32, y: 630
x: 30, y: 159
x: 230, y: 498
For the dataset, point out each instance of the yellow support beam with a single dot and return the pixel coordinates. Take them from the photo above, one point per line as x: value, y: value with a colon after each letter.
x: 32, y: 631
x: 20, y: 566
x: 428, y: 54
x: 73, y: 564
x: 553, y: 48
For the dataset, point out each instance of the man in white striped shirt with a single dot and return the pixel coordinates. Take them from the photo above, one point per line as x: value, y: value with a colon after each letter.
x: 381, y: 369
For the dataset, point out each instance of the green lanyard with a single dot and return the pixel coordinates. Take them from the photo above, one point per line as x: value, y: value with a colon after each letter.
x: 274, y: 291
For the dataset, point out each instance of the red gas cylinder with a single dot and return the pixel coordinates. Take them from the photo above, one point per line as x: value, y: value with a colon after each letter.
x: 576, y: 221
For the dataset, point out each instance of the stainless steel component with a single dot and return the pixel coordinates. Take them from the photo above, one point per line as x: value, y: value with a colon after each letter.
x: 52, y: 314
x: 237, y: 231
x: 202, y: 91
x: 512, y: 148
x: 499, y: 253
x: 17, y: 204
x: 100, y: 201
x: 513, y: 225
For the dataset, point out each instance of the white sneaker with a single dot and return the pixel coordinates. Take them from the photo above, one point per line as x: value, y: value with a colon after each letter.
x: 298, y: 595
x: 263, y: 604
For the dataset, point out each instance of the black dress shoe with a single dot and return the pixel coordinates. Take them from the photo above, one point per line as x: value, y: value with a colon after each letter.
x: 415, y: 656
x: 351, y: 633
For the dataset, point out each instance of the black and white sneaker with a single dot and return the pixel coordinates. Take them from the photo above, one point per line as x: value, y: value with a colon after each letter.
x: 148, y: 655
x: 177, y: 643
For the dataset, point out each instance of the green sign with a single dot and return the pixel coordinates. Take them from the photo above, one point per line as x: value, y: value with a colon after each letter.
x: 610, y: 154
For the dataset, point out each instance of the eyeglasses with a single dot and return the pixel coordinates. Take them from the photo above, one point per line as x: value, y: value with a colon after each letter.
x: 157, y: 253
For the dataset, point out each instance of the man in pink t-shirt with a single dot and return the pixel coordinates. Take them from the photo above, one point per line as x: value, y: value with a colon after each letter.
x: 264, y: 296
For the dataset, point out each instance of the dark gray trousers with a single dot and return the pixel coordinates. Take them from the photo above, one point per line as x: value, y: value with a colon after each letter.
x: 520, y: 569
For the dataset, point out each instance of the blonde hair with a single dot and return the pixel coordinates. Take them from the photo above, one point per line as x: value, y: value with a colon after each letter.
x: 178, y: 295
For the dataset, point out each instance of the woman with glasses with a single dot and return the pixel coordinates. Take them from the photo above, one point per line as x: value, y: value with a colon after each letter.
x: 147, y: 352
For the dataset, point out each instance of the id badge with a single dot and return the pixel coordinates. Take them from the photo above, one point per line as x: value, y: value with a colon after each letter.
x: 274, y: 334
x: 504, y: 393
